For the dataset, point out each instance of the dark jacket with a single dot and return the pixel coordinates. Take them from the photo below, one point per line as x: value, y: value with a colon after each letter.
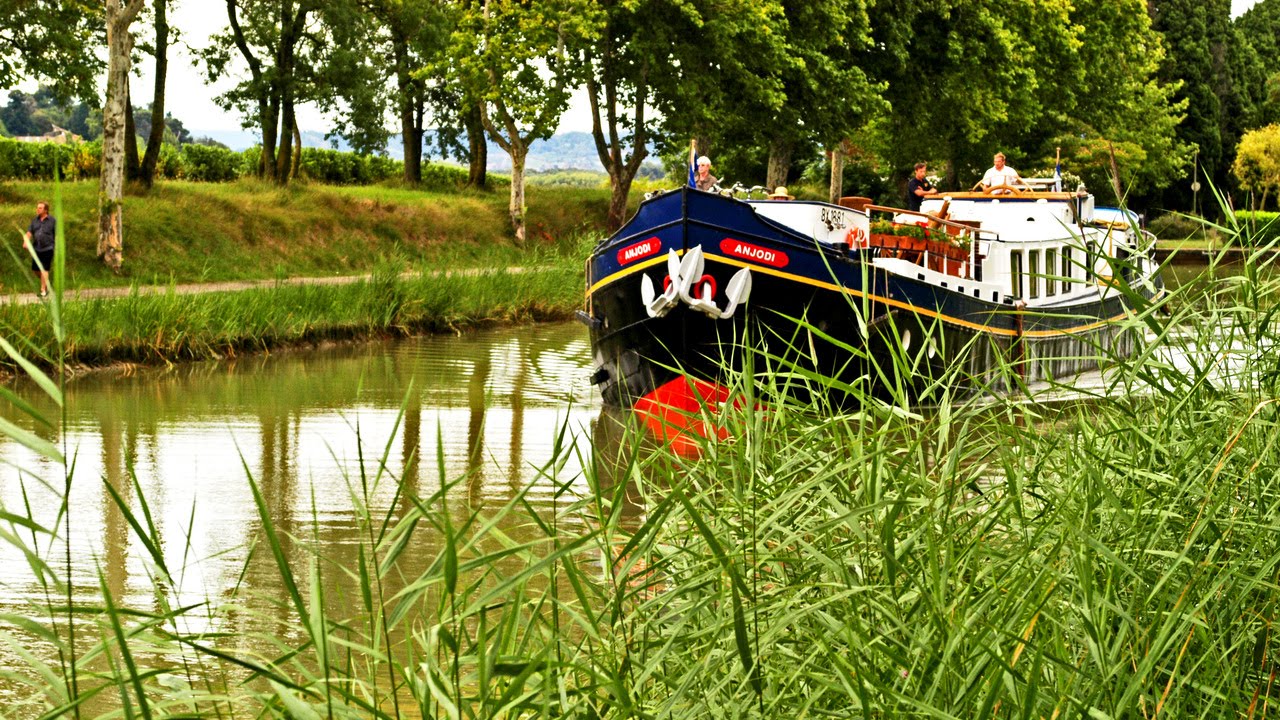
x: 43, y: 233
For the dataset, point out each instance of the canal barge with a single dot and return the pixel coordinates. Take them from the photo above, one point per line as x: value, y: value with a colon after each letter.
x: 870, y: 297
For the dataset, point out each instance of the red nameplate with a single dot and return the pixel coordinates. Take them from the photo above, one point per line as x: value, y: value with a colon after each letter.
x: 640, y: 250
x: 755, y: 253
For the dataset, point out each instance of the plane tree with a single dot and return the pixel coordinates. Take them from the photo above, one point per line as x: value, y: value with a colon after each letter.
x: 1204, y: 57
x: 55, y: 41
x: 964, y: 77
x: 517, y: 59
x: 368, y: 38
x: 827, y: 95
x: 1121, y: 120
x: 119, y: 16
x: 276, y: 40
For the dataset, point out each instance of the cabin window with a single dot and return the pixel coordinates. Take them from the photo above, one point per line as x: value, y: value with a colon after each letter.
x: 1050, y: 281
x: 1033, y: 273
x: 1090, y: 262
x: 1068, y: 271
x: 1015, y: 272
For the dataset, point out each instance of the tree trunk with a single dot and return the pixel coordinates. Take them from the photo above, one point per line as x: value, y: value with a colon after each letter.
x: 779, y: 162
x: 284, y: 154
x: 836, y: 191
x: 609, y: 148
x: 130, y: 136
x: 478, y: 150
x: 148, y: 170
x: 111, y: 184
x: 296, y: 163
x: 519, y: 151
x: 620, y: 186
x: 270, y: 124
x: 409, y: 104
x: 290, y: 30
x: 268, y: 100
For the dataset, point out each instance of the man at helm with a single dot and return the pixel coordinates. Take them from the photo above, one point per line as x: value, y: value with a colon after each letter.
x: 1000, y: 174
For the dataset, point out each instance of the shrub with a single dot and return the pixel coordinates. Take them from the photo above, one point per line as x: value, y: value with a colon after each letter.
x: 1257, y: 227
x: 1175, y: 226
x: 249, y: 160
x: 36, y: 160
x: 443, y: 177
x: 210, y: 164
x: 347, y: 168
x: 169, y: 164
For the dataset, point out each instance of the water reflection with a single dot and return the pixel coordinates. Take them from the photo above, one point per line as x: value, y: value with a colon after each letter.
x: 321, y: 431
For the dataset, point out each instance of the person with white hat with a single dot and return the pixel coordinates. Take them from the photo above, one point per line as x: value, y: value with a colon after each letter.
x: 704, y: 180
x: 780, y: 193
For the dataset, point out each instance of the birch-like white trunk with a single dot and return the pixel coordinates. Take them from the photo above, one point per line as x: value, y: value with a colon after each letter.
x: 111, y: 182
x: 518, y: 154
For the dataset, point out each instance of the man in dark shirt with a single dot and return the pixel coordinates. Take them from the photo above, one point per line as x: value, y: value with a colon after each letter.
x: 40, y: 238
x: 918, y: 188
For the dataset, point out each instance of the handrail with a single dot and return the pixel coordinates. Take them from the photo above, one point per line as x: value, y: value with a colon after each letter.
x: 931, y: 218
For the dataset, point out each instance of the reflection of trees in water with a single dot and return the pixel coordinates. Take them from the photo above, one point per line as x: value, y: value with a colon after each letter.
x: 476, y: 404
x: 280, y: 395
x: 115, y: 528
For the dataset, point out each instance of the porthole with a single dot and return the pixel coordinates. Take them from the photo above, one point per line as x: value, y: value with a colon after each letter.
x: 932, y: 348
x: 906, y: 339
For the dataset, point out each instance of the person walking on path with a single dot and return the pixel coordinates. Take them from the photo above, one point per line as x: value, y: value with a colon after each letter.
x: 41, y: 238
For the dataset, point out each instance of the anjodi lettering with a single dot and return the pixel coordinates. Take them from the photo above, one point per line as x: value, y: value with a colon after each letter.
x: 755, y: 253
x: 640, y: 250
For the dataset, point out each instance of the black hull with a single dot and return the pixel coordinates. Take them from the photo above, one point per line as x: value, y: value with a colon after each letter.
x: 828, y: 314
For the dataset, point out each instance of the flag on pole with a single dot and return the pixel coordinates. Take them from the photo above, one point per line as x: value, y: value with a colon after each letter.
x: 1057, y: 172
x: 693, y: 163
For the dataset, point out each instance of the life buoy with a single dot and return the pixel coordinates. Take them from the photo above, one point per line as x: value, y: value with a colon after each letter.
x: 856, y: 238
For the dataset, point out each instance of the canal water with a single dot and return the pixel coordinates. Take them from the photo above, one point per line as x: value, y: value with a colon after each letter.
x: 484, y: 409
x: 322, y: 431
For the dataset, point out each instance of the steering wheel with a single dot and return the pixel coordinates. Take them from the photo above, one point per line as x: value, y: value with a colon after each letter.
x: 1002, y: 190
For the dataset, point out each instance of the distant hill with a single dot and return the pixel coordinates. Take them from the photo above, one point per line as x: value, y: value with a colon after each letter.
x: 566, y: 151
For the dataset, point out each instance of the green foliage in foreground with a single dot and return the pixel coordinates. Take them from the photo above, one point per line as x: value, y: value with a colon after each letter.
x: 1111, y: 555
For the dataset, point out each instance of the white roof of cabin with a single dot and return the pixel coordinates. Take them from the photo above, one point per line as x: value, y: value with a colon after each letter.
x: 1013, y: 220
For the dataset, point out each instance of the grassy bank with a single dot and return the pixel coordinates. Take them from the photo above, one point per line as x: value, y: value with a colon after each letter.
x: 173, y: 327
x: 201, y: 232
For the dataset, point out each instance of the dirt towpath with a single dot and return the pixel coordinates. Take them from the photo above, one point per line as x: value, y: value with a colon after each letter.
x: 73, y: 294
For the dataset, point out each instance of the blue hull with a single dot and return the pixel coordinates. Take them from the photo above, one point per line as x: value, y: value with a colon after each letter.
x: 858, y: 317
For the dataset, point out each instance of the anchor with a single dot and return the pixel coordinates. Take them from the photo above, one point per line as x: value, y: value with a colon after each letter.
x: 683, y: 274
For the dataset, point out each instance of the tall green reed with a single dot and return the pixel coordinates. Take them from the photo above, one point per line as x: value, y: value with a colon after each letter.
x: 1108, y: 554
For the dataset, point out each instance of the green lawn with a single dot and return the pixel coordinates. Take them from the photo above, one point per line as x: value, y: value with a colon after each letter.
x: 198, y: 232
